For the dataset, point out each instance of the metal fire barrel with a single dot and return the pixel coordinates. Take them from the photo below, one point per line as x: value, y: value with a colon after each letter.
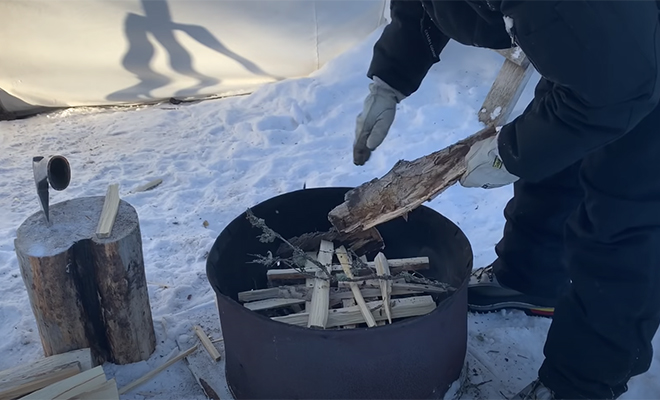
x: 416, y: 358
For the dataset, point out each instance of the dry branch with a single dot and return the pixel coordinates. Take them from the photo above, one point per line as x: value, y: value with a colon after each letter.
x: 359, y: 242
x: 404, y: 188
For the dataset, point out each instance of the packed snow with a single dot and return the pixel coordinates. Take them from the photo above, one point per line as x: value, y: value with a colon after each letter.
x: 218, y: 157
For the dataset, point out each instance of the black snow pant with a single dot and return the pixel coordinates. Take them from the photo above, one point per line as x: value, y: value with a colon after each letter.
x: 590, y: 236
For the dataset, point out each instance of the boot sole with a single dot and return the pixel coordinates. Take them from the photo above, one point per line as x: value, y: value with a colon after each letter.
x: 527, y: 308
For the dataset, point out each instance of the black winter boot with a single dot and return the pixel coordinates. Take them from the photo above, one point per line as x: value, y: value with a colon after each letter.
x: 486, y: 294
x: 535, y: 391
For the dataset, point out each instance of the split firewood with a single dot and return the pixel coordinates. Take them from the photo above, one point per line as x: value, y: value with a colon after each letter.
x: 29, y: 377
x: 401, y: 308
x: 396, y: 266
x: 360, y: 243
x: 318, y: 311
x: 106, y: 391
x: 347, y: 303
x: 405, y: 187
x: 383, y: 269
x: 109, y: 212
x: 37, y: 380
x: 71, y: 387
x: 370, y: 283
x: 345, y: 261
x: 285, y: 292
x: 268, y: 304
x: 337, y: 294
x: 309, y: 282
x: 398, y: 286
x: 206, y: 342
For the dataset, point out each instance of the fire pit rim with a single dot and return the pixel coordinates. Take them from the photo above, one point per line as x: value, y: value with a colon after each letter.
x: 440, y: 307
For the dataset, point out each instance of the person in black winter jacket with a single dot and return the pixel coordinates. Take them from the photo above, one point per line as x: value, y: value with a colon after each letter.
x: 581, y: 241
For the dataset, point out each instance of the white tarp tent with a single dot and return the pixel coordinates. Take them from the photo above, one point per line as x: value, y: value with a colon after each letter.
x: 108, y: 52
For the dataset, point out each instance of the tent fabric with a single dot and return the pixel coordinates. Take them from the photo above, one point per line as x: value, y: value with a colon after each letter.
x: 109, y: 52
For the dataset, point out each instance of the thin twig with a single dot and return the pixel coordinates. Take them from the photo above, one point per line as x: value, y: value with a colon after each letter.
x: 269, y: 235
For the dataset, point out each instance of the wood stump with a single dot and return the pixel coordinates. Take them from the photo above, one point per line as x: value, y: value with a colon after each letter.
x: 87, y: 291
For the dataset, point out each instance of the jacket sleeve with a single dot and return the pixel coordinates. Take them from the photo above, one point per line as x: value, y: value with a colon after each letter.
x: 409, y: 45
x: 600, y: 79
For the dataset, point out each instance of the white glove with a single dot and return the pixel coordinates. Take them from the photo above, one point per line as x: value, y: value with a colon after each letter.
x: 375, y: 120
x: 485, y: 168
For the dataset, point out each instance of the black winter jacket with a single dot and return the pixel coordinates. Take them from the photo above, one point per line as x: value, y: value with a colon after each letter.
x: 600, y: 58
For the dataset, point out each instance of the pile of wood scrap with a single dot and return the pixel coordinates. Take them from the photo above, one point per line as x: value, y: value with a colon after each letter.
x: 336, y: 289
x: 65, y: 376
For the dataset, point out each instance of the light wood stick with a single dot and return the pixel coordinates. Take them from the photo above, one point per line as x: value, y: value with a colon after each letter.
x: 401, y: 308
x: 383, y: 269
x: 109, y: 212
x: 161, y: 368
x: 405, y: 187
x: 206, y: 342
x: 345, y: 261
x: 396, y: 266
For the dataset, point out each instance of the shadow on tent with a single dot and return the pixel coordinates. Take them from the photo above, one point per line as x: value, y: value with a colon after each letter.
x: 157, y: 21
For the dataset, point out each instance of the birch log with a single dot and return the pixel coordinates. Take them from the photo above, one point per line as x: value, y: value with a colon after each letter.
x: 87, y: 291
x: 404, y: 188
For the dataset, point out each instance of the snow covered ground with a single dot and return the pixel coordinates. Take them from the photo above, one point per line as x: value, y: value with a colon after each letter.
x: 218, y: 157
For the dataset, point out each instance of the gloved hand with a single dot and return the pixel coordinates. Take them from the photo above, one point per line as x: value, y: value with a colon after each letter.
x: 485, y: 168
x: 375, y: 120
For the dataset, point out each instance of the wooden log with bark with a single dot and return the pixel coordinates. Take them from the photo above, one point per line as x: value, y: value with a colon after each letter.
x: 87, y: 291
x: 405, y: 187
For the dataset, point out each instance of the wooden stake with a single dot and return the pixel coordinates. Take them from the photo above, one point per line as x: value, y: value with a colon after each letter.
x: 109, y: 212
x: 151, y: 374
x: 345, y: 261
x: 383, y: 269
x: 405, y: 187
x: 206, y: 342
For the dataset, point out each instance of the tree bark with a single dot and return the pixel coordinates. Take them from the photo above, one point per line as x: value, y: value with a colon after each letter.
x: 87, y: 291
x: 405, y: 187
